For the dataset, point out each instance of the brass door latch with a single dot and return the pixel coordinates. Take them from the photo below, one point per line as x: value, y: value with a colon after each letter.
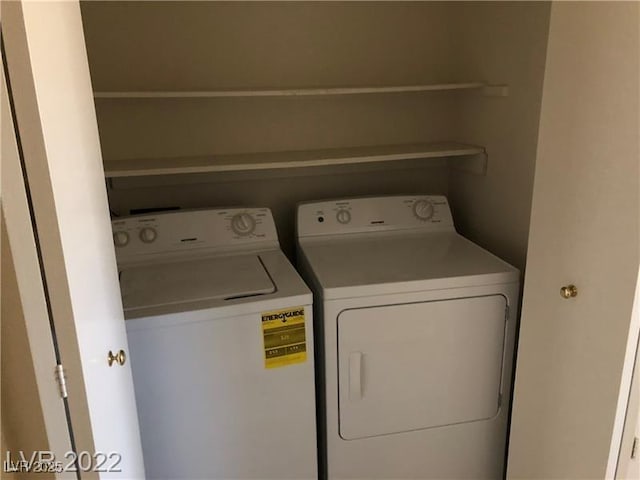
x: 569, y: 291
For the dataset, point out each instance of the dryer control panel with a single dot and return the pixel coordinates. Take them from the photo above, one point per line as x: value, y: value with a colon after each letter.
x: 373, y: 214
x: 170, y: 234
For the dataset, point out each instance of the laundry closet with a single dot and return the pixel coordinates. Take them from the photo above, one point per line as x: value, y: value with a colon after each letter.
x: 272, y: 104
x: 205, y: 105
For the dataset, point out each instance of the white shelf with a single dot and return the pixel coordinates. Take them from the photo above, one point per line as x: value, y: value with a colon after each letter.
x: 475, y: 160
x: 293, y: 92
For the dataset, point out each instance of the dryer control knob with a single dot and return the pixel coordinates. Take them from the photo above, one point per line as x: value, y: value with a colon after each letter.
x: 148, y: 234
x: 423, y: 209
x: 343, y: 216
x: 120, y: 238
x: 243, y: 224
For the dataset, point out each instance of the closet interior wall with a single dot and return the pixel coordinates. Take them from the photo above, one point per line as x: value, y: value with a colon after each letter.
x: 500, y: 42
x: 189, y: 46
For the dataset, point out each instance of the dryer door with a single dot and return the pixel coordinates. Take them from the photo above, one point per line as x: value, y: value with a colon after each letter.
x: 420, y: 365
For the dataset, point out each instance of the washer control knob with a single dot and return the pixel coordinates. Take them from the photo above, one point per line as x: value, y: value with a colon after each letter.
x: 423, y: 209
x: 343, y: 216
x: 120, y: 238
x: 148, y: 234
x: 243, y: 224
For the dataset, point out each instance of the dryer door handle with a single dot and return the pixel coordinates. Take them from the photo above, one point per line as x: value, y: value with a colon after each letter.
x: 355, y: 376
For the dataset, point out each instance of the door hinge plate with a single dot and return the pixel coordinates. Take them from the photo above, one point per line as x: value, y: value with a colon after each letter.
x: 60, y: 379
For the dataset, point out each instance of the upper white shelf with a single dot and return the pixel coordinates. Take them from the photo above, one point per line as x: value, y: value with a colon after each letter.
x: 297, y: 159
x: 490, y: 90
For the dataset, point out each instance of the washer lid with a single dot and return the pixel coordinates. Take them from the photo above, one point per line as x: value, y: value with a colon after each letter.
x: 219, y: 278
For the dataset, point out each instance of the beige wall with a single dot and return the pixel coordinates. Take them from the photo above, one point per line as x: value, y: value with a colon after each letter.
x: 500, y: 43
x: 207, y: 45
x: 300, y: 44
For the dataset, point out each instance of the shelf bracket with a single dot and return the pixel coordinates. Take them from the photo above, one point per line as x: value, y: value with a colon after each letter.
x: 475, y: 164
x: 495, y: 90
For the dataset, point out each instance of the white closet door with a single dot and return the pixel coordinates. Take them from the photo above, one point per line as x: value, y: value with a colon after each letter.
x: 32, y: 312
x: 49, y: 81
x: 424, y: 365
x: 584, y: 231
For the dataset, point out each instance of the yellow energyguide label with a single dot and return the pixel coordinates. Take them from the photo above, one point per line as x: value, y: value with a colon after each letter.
x: 285, y: 341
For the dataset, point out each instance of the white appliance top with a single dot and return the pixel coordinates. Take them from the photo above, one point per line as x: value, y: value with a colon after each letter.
x: 389, y: 244
x: 194, y: 259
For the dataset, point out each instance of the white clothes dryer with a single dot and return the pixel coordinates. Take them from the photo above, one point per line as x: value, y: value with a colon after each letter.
x: 220, y: 335
x: 415, y: 330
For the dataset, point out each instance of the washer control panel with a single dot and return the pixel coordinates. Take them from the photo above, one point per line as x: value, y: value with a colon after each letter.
x: 169, y: 233
x: 370, y: 214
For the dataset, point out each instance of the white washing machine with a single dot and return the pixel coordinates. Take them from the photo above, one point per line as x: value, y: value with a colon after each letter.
x: 415, y: 333
x: 220, y: 336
